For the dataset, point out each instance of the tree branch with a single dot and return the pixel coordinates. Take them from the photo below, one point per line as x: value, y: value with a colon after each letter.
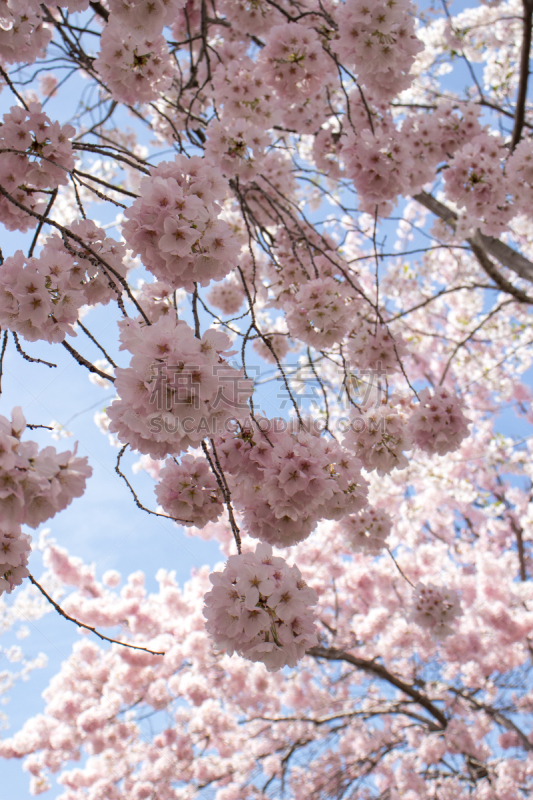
x: 88, y: 627
x: 373, y: 668
x: 499, y: 250
x: 98, y: 8
x: 524, y: 73
x: 26, y: 357
x: 84, y: 363
x: 501, y: 282
x: 497, y: 716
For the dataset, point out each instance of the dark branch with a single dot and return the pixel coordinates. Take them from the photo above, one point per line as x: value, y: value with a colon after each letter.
x: 88, y: 627
x: 499, y: 250
x: 373, y: 668
x: 524, y: 74
x: 84, y: 363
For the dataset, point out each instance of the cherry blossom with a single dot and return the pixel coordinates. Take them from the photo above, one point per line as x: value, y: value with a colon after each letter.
x: 284, y: 483
x: 438, y: 424
x: 188, y: 491
x: 35, y: 153
x: 36, y: 484
x: 378, y: 435
x: 259, y: 608
x: 135, y: 67
x: 15, y: 549
x: 380, y: 41
x: 174, y: 225
x: 319, y: 313
x: 177, y: 390
x: 434, y: 607
x: 367, y: 531
x: 36, y: 299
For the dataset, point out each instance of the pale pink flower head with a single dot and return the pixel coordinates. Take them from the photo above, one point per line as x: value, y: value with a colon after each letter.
x: 434, y: 608
x: 438, y: 424
x: 367, y: 531
x: 259, y: 607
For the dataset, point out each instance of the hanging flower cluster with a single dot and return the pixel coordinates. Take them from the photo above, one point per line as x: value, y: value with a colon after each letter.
x: 35, y: 154
x: 188, y: 491
x: 379, y: 40
x: 36, y: 484
x: 371, y: 347
x: 378, y: 436
x: 320, y: 313
x: 438, y: 424
x: 475, y: 181
x: 23, y: 34
x: 237, y: 147
x: 294, y: 62
x: 134, y: 66
x: 259, y: 607
x: 174, y: 225
x: 367, y: 531
x: 284, y: 483
x: 177, y: 390
x: 97, y: 265
x: 15, y: 550
x: 434, y: 608
x: 36, y: 295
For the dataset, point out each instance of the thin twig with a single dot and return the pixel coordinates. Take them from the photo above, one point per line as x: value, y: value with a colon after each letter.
x: 26, y: 357
x: 136, y: 499
x: 84, y: 363
x: 89, y: 627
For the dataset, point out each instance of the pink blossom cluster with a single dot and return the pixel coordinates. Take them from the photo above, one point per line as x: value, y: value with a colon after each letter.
x: 372, y: 345
x: 320, y: 312
x: 284, y: 483
x: 241, y: 90
x: 296, y: 264
x: 475, y: 181
x: 294, y: 62
x: 519, y: 175
x: 35, y: 154
x: 274, y: 344
x: 259, y: 607
x: 378, y: 163
x: 227, y: 295
x: 188, y: 491
x: 144, y: 18
x: 254, y: 17
x: 434, y: 608
x: 97, y: 264
x: 308, y: 116
x: 174, y: 225
x: 378, y: 436
x: 367, y: 531
x: 379, y: 40
x: 433, y: 138
x: 40, y: 297
x: 157, y: 299
x: 134, y: 65
x: 36, y: 297
x: 385, y: 161
x: 437, y: 424
x: 178, y: 388
x: 237, y: 147
x: 15, y: 549
x: 35, y: 485
x: 23, y: 34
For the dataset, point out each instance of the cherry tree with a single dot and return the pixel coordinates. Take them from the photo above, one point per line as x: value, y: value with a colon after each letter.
x: 329, y: 197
